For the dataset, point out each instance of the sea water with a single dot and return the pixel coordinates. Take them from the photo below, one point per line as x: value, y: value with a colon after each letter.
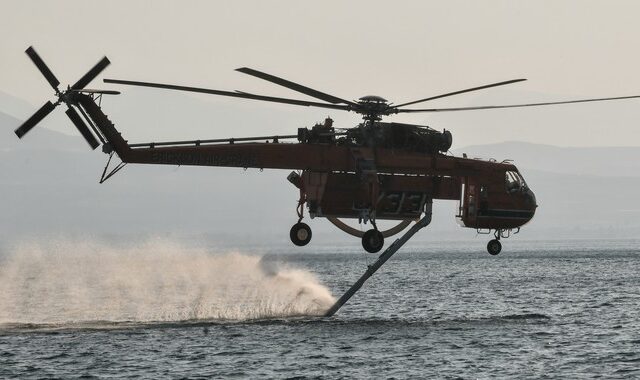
x: 439, y: 310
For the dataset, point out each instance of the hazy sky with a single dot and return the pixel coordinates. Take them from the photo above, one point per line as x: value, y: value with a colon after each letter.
x: 400, y: 50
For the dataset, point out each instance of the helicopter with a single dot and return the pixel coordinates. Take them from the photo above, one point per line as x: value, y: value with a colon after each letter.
x: 374, y: 171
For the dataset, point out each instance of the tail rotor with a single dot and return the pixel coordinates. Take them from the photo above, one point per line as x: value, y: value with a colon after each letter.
x: 68, y: 97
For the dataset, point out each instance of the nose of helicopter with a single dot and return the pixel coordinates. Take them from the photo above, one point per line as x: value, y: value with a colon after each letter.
x: 530, y: 202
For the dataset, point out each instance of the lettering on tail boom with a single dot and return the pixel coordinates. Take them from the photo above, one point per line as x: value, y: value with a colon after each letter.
x: 204, y: 159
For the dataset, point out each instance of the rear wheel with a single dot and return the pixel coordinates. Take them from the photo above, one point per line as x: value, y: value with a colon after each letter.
x: 494, y: 247
x: 372, y: 241
x: 300, y: 234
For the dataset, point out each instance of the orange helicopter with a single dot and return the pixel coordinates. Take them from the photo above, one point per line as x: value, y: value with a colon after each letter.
x: 374, y: 171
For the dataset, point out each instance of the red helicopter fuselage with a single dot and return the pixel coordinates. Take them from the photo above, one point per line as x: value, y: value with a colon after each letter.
x: 341, y: 181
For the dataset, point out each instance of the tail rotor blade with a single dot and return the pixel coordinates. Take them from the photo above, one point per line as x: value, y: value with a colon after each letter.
x: 82, y: 127
x: 91, y: 74
x: 53, y: 81
x: 35, y: 119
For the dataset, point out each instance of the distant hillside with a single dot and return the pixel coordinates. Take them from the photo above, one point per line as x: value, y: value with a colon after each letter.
x: 15, y: 107
x: 584, y: 206
x: 37, y: 138
x: 6, y: 124
x: 598, y: 161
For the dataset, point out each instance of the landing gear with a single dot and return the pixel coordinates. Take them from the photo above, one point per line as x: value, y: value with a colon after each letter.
x: 300, y: 234
x: 372, y: 241
x: 494, y: 247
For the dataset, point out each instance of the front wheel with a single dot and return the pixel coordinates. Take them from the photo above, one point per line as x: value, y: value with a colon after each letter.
x: 494, y: 247
x: 372, y: 241
x: 300, y: 234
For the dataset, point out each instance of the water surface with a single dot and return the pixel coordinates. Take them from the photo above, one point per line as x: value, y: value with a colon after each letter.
x: 553, y: 310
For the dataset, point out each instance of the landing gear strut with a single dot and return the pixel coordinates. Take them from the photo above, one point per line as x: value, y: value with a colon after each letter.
x: 300, y: 234
x: 372, y: 241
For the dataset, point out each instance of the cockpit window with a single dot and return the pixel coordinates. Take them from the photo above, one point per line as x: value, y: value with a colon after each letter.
x: 514, y: 181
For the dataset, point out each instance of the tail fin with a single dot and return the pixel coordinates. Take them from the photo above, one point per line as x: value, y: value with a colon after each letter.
x: 112, y: 139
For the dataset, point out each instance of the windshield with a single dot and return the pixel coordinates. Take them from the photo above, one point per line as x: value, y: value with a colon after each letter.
x: 514, y: 181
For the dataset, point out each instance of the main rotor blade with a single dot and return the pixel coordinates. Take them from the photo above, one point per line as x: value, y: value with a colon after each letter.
x: 243, y: 95
x: 461, y: 92
x: 516, y: 105
x: 295, y: 87
x: 35, y: 119
x: 82, y: 127
x: 53, y: 81
x: 94, y: 91
x: 91, y: 74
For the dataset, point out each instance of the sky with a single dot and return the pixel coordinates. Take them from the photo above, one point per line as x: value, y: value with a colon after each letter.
x: 402, y: 50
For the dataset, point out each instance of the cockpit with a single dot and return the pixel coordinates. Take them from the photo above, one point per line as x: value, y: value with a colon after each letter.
x: 514, y: 182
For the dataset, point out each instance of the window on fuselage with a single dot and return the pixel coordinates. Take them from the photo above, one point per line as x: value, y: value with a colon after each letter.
x: 484, y: 193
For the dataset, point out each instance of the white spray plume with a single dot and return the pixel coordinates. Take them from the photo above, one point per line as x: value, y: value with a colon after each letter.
x: 70, y: 282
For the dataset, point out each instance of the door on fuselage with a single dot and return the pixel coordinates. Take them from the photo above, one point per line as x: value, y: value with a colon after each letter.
x: 468, y: 205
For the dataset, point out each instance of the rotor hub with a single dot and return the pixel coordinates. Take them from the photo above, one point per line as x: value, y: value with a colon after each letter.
x: 373, y: 99
x: 372, y: 107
